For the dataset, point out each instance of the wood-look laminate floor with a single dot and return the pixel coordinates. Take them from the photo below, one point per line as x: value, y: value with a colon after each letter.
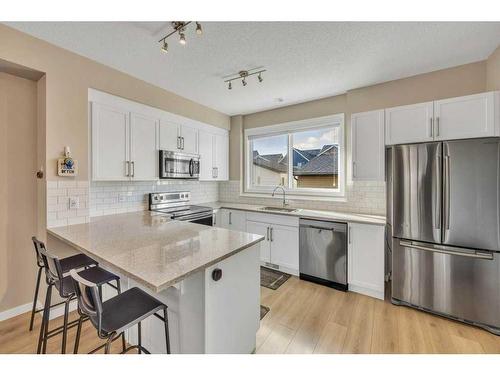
x: 309, y: 318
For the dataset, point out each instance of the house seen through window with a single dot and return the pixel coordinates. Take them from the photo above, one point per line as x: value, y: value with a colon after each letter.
x: 315, y: 164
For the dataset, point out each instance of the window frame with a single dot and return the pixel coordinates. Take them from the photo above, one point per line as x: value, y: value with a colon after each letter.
x: 288, y: 128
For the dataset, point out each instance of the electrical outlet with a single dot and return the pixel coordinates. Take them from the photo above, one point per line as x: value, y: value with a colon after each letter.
x: 74, y: 203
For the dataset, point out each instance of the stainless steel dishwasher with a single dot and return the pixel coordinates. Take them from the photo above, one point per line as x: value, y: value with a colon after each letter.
x: 323, y: 252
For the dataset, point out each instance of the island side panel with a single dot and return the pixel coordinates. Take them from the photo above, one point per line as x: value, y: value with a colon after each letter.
x: 232, y: 303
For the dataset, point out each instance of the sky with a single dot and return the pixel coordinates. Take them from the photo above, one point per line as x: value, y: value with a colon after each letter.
x: 306, y: 140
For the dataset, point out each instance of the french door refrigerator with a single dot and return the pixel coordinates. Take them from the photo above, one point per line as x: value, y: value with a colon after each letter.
x: 446, y: 229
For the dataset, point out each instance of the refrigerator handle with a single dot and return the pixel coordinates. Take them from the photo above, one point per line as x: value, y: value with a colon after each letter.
x: 470, y: 254
x: 446, y: 192
x: 437, y: 192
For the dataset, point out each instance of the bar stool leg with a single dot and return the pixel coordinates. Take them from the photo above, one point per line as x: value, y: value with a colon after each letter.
x: 167, y: 337
x: 35, y: 298
x: 78, y: 332
x: 65, y: 326
x: 108, y: 344
x: 139, y: 341
x: 119, y: 290
x: 45, y: 322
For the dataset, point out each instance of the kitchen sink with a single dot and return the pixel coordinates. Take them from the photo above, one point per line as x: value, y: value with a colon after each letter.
x: 279, y: 209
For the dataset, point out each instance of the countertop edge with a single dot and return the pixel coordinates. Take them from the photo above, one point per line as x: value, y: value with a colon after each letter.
x: 305, y: 214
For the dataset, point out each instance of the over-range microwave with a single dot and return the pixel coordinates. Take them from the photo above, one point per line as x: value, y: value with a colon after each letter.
x: 179, y: 165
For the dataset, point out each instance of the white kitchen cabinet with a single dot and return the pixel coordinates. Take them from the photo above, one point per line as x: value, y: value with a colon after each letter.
x: 214, y: 156
x: 467, y: 116
x: 110, y: 143
x: 263, y: 230
x: 221, y: 157
x: 143, y: 147
x: 176, y: 137
x: 233, y: 219
x: 280, y: 248
x: 217, y: 218
x: 366, y: 259
x: 409, y: 123
x: 367, y: 139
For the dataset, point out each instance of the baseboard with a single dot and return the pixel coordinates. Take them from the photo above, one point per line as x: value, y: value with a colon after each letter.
x: 367, y: 291
x: 18, y: 310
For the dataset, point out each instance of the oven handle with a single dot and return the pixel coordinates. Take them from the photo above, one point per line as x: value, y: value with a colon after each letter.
x: 194, y: 217
x: 474, y: 254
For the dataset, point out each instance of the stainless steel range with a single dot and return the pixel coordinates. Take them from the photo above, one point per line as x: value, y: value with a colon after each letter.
x: 176, y: 205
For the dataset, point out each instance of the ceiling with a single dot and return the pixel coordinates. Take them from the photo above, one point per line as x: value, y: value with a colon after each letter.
x: 304, y: 60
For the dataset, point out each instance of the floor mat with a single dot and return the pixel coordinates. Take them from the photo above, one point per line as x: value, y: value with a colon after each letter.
x: 272, y: 279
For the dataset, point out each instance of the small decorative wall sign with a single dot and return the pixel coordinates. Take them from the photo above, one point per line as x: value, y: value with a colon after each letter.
x: 67, y: 166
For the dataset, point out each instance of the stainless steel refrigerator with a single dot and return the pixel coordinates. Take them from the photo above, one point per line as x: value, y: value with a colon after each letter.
x: 445, y: 224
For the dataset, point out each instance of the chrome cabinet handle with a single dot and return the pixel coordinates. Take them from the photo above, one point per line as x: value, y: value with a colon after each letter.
x: 230, y: 218
x: 182, y: 142
x: 127, y: 169
x: 267, y: 234
x: 216, y: 172
x: 431, y: 128
x: 472, y: 254
x: 132, y: 163
x: 178, y: 142
x: 437, y: 126
x: 353, y: 169
x: 215, y: 219
x: 271, y: 234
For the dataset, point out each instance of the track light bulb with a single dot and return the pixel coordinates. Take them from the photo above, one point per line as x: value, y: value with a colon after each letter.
x: 229, y: 86
x: 243, y: 82
x: 182, y: 39
x: 260, y: 77
x: 164, y: 48
x: 199, y: 31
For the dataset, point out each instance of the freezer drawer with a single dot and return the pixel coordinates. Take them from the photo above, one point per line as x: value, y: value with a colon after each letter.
x: 323, y: 252
x: 459, y: 283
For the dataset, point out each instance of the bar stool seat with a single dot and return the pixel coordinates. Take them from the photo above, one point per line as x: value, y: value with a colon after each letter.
x: 126, y: 310
x: 97, y: 275
x: 76, y: 261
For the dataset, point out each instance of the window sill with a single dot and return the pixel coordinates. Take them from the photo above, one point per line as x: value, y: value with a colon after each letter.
x: 310, y: 197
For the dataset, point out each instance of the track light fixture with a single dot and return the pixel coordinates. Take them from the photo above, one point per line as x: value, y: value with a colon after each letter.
x: 179, y: 27
x: 243, y: 74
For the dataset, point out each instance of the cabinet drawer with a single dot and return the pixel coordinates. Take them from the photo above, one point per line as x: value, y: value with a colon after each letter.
x: 273, y: 219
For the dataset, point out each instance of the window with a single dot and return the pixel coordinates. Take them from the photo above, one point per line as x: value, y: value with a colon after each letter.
x: 316, y: 165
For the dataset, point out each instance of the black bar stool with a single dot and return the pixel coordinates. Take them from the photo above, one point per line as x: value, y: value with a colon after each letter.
x: 112, y: 317
x: 68, y: 263
x: 65, y: 287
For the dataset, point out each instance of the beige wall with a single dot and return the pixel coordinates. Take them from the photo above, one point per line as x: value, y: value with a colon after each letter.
x: 18, y: 189
x: 68, y: 78
x: 456, y: 81
x: 493, y: 71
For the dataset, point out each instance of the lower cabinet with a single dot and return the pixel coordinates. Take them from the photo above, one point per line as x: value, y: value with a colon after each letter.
x: 280, y: 248
x: 365, y: 272
x: 232, y: 219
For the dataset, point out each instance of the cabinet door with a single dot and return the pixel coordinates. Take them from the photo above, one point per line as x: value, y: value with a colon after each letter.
x: 465, y: 117
x: 367, y: 130
x: 366, y: 259
x: 221, y: 156
x: 110, y: 143
x: 234, y: 220
x: 169, y: 136
x: 206, y: 151
x: 285, y: 246
x: 263, y: 230
x: 143, y: 147
x: 189, y: 139
x: 409, y: 124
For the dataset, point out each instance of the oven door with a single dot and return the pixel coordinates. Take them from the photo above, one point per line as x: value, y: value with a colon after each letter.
x: 205, y: 219
x: 179, y: 165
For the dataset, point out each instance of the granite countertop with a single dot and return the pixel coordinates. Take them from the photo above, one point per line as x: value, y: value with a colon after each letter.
x: 151, y: 249
x: 305, y: 213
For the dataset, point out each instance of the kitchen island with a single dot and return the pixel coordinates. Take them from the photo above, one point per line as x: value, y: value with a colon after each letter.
x: 174, y: 261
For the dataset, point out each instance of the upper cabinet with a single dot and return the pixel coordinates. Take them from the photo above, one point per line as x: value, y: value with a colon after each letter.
x: 124, y: 145
x: 409, y: 124
x: 471, y: 116
x: 126, y: 137
x: 367, y: 139
x: 110, y: 143
x: 175, y: 137
x: 214, y: 156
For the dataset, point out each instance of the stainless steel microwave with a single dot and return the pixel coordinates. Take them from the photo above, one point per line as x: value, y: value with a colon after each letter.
x: 179, y: 165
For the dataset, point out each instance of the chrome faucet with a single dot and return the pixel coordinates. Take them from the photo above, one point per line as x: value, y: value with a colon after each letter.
x: 284, y: 194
